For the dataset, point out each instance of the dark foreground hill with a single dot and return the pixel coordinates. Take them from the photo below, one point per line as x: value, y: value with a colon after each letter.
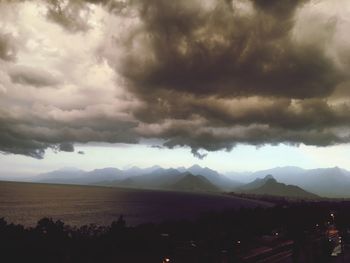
x: 231, y: 236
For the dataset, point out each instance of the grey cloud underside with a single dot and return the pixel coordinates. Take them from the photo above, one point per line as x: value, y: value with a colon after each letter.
x: 66, y: 147
x: 207, y: 76
x: 33, y: 76
x: 33, y: 137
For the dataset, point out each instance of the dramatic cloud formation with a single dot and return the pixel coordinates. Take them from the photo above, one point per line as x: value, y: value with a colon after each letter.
x: 203, y: 74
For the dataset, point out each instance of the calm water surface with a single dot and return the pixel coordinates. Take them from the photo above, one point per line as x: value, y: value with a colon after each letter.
x: 26, y: 203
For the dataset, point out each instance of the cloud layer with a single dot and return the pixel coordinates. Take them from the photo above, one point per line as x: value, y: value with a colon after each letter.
x: 203, y: 74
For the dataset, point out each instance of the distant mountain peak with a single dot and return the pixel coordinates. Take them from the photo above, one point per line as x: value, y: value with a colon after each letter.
x: 181, y: 169
x: 258, y: 182
x: 155, y: 167
x: 106, y: 169
x: 190, y: 182
x: 195, y: 166
x: 69, y: 169
x: 269, y: 176
x: 337, y: 169
x: 188, y: 174
x: 271, y: 180
x: 134, y: 168
x: 274, y: 188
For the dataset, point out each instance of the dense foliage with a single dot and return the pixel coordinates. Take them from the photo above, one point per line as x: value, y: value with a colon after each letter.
x: 203, y: 240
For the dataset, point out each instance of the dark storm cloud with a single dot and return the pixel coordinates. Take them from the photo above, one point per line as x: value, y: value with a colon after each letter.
x: 34, y: 144
x: 32, y: 148
x: 32, y: 136
x: 194, y: 56
x: 283, y: 8
x: 199, y: 73
x: 253, y: 135
x: 222, y: 52
x: 257, y: 122
x: 14, y: 142
x: 281, y: 113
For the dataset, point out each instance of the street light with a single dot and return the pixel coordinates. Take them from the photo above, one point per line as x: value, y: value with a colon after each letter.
x: 333, y: 216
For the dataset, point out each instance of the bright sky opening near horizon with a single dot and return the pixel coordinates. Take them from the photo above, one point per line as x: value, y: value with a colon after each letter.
x: 243, y: 158
x: 238, y: 85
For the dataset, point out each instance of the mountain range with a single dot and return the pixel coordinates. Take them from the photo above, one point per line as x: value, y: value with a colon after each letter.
x: 327, y: 182
x: 324, y: 182
x: 194, y: 178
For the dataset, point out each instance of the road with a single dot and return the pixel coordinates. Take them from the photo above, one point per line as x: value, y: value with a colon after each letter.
x: 343, y: 258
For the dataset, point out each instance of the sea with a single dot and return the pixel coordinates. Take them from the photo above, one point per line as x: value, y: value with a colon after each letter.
x: 26, y: 203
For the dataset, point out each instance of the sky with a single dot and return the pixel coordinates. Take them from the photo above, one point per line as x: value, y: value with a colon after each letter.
x: 229, y: 84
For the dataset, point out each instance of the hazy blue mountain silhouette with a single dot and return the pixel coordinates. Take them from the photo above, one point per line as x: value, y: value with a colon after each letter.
x: 326, y: 182
x: 154, y: 180
x: 135, y: 177
x: 280, y: 173
x: 195, y: 183
x: 329, y: 182
x: 258, y: 182
x: 77, y: 176
x: 270, y: 186
x: 214, y: 177
x: 64, y: 175
x: 135, y: 171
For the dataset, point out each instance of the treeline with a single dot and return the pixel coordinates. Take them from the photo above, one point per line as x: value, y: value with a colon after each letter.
x: 202, y: 240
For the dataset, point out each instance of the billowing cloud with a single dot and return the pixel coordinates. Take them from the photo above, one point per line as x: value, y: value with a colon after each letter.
x: 201, y: 74
x: 7, y: 48
x: 33, y: 77
x: 219, y: 50
x: 71, y: 15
